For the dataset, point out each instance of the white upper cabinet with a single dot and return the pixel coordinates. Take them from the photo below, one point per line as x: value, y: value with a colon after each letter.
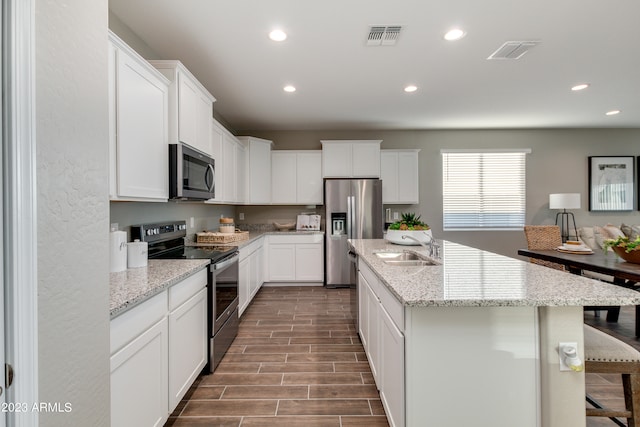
x: 258, y: 170
x: 190, y: 106
x: 217, y: 133
x: 400, y: 178
x: 309, y: 177
x: 228, y: 168
x: 138, y: 114
x: 296, y: 177
x: 351, y: 159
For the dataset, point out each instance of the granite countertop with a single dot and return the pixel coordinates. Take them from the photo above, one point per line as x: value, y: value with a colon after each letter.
x: 253, y: 236
x: 131, y: 287
x: 466, y: 276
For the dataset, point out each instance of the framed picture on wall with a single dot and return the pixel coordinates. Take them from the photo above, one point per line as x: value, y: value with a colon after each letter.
x: 611, y: 183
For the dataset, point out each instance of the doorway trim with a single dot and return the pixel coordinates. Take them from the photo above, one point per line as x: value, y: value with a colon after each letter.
x: 20, y: 206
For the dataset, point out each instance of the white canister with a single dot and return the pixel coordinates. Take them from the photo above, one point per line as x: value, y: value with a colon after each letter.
x: 137, y: 254
x: 118, y: 251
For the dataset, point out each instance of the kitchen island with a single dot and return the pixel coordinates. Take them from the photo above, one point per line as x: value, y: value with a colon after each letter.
x: 473, y: 339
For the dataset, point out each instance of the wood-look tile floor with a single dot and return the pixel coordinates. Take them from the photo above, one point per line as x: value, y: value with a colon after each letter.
x: 297, y: 361
x: 607, y: 389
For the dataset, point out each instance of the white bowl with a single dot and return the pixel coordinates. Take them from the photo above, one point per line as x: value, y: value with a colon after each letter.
x: 395, y: 236
x: 284, y: 227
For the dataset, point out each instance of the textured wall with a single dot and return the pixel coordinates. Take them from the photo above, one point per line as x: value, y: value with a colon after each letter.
x: 557, y: 164
x: 73, y: 210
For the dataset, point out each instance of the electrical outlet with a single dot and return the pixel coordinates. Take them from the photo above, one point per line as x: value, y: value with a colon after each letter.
x: 192, y: 222
x: 241, y: 216
x: 567, y: 346
x: 395, y: 216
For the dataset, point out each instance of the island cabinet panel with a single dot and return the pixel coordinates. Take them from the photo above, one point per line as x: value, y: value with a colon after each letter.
x: 482, y: 359
x: 383, y: 342
x: 391, y: 370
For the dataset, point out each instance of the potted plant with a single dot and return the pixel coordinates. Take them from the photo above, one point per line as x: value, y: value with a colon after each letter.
x: 628, y: 250
x: 409, y: 225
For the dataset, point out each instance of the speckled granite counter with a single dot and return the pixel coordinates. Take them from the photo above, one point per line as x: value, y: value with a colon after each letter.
x: 471, y: 277
x: 131, y: 287
x: 253, y: 236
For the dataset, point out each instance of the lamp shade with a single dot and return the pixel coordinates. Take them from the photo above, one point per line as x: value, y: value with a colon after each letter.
x: 564, y: 201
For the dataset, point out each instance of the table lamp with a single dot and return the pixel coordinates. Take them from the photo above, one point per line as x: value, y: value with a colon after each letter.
x: 565, y: 201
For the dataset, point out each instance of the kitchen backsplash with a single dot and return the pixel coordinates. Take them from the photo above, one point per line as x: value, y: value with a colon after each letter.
x: 205, y: 216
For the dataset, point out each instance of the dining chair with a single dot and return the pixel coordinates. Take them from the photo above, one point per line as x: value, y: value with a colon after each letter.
x: 543, y: 237
x: 605, y: 354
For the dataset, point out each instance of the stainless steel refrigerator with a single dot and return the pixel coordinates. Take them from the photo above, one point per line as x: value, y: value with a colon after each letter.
x: 353, y: 210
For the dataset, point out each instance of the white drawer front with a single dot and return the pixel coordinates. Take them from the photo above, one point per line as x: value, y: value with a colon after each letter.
x: 132, y: 323
x: 181, y: 292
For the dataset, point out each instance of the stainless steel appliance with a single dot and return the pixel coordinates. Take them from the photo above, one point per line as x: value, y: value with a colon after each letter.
x: 191, y: 173
x: 166, y: 241
x: 353, y: 209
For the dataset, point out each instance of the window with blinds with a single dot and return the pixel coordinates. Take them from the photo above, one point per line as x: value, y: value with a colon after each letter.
x: 483, y: 190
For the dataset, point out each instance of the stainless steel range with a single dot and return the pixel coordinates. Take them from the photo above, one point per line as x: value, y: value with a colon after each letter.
x: 166, y: 241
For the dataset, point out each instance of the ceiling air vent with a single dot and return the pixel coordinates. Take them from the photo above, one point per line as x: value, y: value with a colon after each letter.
x: 513, y: 50
x: 380, y: 35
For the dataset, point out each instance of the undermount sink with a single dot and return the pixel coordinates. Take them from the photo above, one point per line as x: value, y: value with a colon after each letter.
x: 398, y: 256
x: 409, y: 263
x: 404, y: 259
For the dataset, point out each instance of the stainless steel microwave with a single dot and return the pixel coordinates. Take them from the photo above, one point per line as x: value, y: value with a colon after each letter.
x: 191, y: 173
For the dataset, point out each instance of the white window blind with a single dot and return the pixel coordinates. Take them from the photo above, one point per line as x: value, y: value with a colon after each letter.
x: 483, y: 189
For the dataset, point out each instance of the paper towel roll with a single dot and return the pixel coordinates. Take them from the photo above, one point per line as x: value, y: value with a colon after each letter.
x: 118, y: 254
x: 137, y: 252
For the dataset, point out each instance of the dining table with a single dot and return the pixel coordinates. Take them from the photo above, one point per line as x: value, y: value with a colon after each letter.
x: 622, y: 273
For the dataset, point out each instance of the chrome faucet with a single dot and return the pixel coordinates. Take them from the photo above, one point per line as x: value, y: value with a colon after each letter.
x: 434, y: 248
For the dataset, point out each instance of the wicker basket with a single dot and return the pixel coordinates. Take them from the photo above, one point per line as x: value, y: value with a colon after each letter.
x: 215, y: 237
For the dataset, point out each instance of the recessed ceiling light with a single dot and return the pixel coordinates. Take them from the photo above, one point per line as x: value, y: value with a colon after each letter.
x: 454, y: 34
x: 612, y: 112
x: 277, y: 35
x: 410, y: 88
x: 289, y: 88
x: 581, y: 86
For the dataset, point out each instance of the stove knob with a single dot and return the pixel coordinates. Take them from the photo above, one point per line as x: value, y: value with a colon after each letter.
x: 149, y: 232
x: 156, y: 231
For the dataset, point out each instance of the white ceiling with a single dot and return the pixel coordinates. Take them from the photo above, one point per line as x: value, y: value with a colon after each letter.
x: 343, y: 84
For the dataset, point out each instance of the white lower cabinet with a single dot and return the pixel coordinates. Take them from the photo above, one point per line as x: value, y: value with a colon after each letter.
x: 158, y: 348
x: 139, y: 365
x: 295, y: 258
x: 187, y: 348
x: 250, y: 274
x: 380, y: 320
x: 391, y: 369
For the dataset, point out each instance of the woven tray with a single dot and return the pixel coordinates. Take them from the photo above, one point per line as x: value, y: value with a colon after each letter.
x: 215, y: 237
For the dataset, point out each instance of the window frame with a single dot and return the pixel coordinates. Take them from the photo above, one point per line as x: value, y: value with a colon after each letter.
x: 522, y: 175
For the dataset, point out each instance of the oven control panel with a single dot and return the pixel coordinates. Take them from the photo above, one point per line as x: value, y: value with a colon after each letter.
x: 159, y: 232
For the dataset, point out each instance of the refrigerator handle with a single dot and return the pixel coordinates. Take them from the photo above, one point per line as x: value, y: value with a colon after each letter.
x: 349, y: 219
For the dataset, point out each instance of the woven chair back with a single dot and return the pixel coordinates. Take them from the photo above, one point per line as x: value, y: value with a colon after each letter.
x: 543, y: 237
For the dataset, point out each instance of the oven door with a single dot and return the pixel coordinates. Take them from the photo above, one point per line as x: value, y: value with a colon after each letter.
x: 223, y: 308
x: 225, y: 283
x: 191, y: 173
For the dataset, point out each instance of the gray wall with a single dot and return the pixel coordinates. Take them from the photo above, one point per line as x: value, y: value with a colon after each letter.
x: 73, y: 210
x: 557, y: 164
x: 205, y: 216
